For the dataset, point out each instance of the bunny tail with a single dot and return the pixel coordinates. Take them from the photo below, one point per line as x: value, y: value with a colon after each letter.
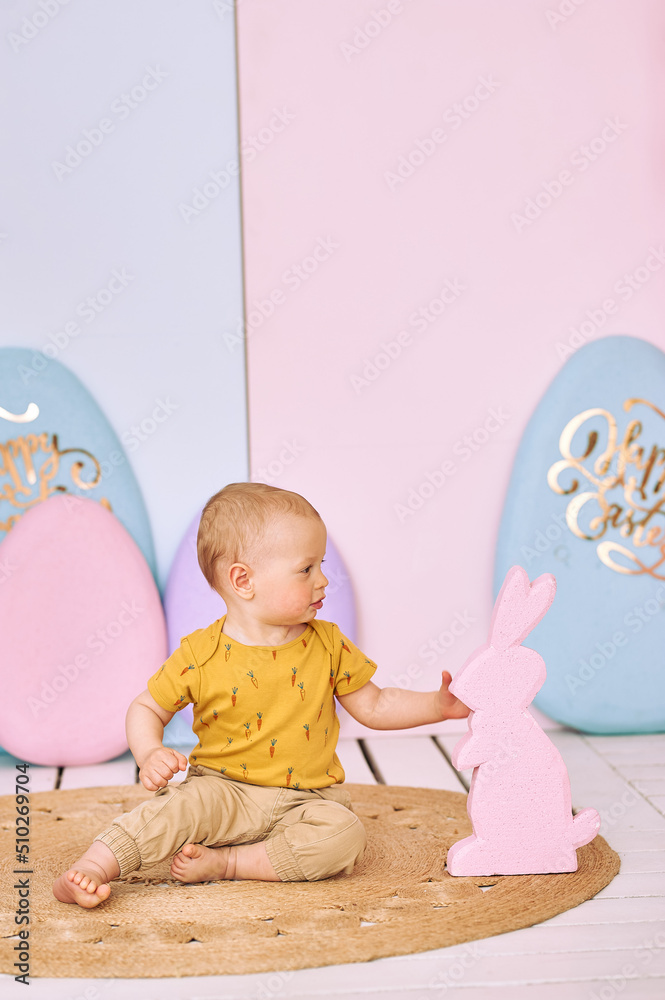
x: 585, y: 827
x: 519, y: 607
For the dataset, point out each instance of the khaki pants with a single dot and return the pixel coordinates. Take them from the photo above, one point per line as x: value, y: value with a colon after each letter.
x: 310, y: 834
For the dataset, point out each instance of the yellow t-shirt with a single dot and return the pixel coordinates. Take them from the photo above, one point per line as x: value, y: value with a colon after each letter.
x: 263, y: 714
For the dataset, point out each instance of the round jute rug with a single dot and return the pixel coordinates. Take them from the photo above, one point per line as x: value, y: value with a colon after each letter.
x: 399, y: 899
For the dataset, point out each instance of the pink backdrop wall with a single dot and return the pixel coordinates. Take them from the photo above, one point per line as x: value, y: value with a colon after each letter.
x: 559, y: 105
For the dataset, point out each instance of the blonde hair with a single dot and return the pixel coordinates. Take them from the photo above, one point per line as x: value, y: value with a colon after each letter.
x: 234, y: 519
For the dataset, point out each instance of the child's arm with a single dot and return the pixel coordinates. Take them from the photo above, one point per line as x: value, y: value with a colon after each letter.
x: 145, y: 728
x: 397, y: 708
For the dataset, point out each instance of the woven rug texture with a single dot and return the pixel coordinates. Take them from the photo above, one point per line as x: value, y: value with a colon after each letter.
x: 398, y: 900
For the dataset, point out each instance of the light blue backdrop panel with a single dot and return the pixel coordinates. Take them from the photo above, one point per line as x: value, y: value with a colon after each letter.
x: 122, y: 247
x: 55, y: 439
x: 586, y: 502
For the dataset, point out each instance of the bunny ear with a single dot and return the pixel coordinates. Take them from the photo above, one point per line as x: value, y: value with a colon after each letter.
x: 519, y: 607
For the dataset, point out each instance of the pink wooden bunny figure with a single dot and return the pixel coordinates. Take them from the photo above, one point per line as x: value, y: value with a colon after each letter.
x: 519, y: 800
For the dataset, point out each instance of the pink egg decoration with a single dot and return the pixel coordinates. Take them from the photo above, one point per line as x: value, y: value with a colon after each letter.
x: 190, y: 603
x: 81, y: 631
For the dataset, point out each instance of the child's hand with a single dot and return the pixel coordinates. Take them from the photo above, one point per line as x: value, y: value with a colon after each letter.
x: 159, y: 767
x: 451, y: 707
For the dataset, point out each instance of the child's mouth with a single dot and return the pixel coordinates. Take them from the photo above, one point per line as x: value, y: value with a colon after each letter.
x: 318, y: 605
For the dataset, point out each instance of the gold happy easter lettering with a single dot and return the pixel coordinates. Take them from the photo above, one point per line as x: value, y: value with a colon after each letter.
x: 30, y: 463
x: 632, y: 473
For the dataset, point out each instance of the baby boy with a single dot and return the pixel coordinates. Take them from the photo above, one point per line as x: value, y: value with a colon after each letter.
x: 264, y: 796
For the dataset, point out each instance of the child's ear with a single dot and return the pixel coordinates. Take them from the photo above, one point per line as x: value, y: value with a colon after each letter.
x: 241, y: 581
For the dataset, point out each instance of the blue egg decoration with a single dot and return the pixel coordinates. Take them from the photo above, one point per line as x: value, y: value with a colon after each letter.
x: 586, y: 502
x: 54, y: 439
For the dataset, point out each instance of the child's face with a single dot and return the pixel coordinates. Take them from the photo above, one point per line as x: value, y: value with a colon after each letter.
x: 288, y: 581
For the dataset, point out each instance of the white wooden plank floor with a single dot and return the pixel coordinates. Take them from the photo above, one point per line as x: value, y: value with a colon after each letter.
x: 611, y: 946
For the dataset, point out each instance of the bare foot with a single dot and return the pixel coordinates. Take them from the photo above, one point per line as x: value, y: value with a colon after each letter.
x: 84, y: 886
x: 87, y: 881
x: 196, y: 863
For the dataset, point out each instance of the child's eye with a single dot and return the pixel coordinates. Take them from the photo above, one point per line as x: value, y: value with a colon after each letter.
x: 307, y: 570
